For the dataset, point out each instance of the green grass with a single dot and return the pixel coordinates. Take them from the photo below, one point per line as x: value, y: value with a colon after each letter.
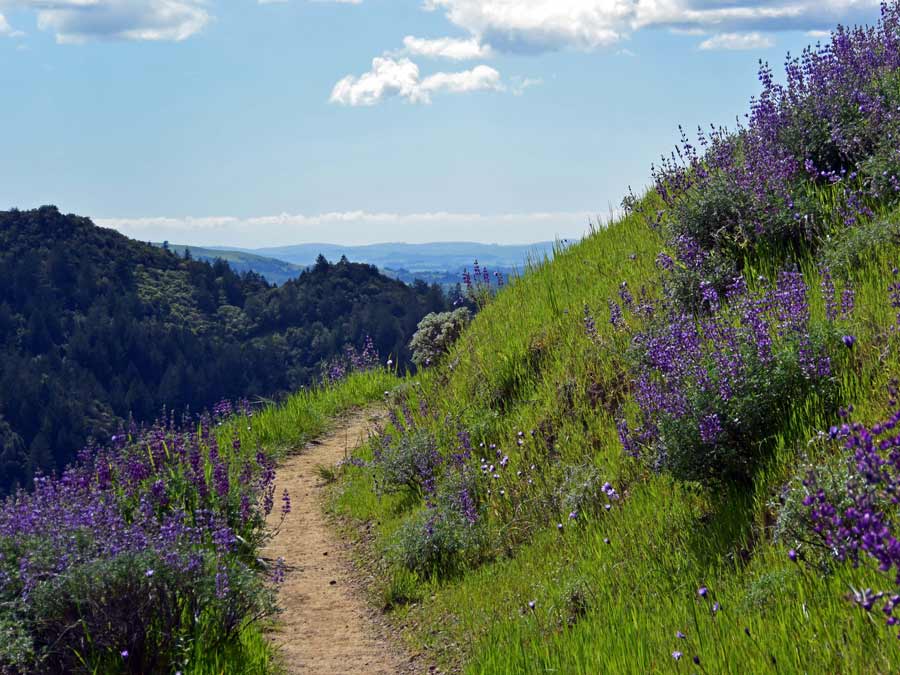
x: 524, y: 364
x: 308, y: 413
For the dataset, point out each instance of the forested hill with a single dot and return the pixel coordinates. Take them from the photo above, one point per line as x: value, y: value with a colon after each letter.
x: 95, y: 327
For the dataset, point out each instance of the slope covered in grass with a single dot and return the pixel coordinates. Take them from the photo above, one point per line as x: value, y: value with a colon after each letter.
x: 144, y: 557
x: 633, y: 460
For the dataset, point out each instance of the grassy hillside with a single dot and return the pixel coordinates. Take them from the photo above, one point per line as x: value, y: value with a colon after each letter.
x: 674, y: 447
x: 275, y: 271
x: 627, y: 463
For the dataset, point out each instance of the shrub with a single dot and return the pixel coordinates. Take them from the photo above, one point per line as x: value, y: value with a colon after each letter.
x: 447, y: 535
x: 794, y: 528
x: 16, y: 645
x: 137, y: 554
x: 583, y: 490
x: 819, y: 152
x: 713, y: 391
x: 436, y: 334
x: 408, y: 461
x: 862, y: 523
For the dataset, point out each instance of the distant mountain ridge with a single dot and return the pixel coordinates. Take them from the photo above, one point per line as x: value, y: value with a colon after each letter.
x: 439, y: 262
x: 413, y: 257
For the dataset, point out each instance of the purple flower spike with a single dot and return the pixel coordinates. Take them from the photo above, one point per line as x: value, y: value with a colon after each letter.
x: 849, y: 341
x: 680, y: 635
x: 703, y: 591
x: 792, y: 554
x: 677, y: 655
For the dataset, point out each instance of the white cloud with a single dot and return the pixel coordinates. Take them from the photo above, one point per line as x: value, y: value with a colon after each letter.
x: 535, y: 25
x: 391, y: 77
x: 78, y: 21
x: 7, y: 30
x: 354, y: 227
x: 446, y: 48
x: 737, y: 41
x: 539, y: 24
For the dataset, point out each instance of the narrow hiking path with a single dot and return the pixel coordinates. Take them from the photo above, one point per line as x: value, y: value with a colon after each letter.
x: 326, y: 627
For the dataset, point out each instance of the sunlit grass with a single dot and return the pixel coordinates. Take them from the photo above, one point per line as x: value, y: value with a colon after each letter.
x: 616, y: 606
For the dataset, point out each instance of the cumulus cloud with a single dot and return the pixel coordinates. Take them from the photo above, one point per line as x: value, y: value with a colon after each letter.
x: 446, y: 48
x: 537, y: 25
x: 353, y: 227
x: 737, y: 41
x: 390, y: 77
x: 77, y: 21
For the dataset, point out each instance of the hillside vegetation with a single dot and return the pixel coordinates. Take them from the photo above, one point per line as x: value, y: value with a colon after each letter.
x: 96, y: 328
x: 674, y: 447
x: 271, y: 269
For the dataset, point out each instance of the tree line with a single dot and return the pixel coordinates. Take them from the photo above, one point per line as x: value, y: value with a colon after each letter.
x: 97, y: 329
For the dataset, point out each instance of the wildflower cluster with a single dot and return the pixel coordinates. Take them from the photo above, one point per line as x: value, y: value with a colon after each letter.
x: 352, y: 360
x: 863, y: 523
x: 448, y: 533
x: 480, y: 284
x: 131, y: 546
x: 711, y: 388
x: 823, y: 143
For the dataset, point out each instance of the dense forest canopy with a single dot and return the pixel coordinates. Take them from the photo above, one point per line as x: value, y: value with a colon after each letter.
x: 95, y: 327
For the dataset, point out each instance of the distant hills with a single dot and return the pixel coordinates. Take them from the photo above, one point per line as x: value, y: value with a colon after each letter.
x: 96, y: 328
x: 441, y: 262
x: 274, y: 270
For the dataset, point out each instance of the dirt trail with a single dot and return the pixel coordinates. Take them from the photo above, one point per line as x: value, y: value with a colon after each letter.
x: 326, y: 627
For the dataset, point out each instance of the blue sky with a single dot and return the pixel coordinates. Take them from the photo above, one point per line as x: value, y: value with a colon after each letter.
x: 249, y: 123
